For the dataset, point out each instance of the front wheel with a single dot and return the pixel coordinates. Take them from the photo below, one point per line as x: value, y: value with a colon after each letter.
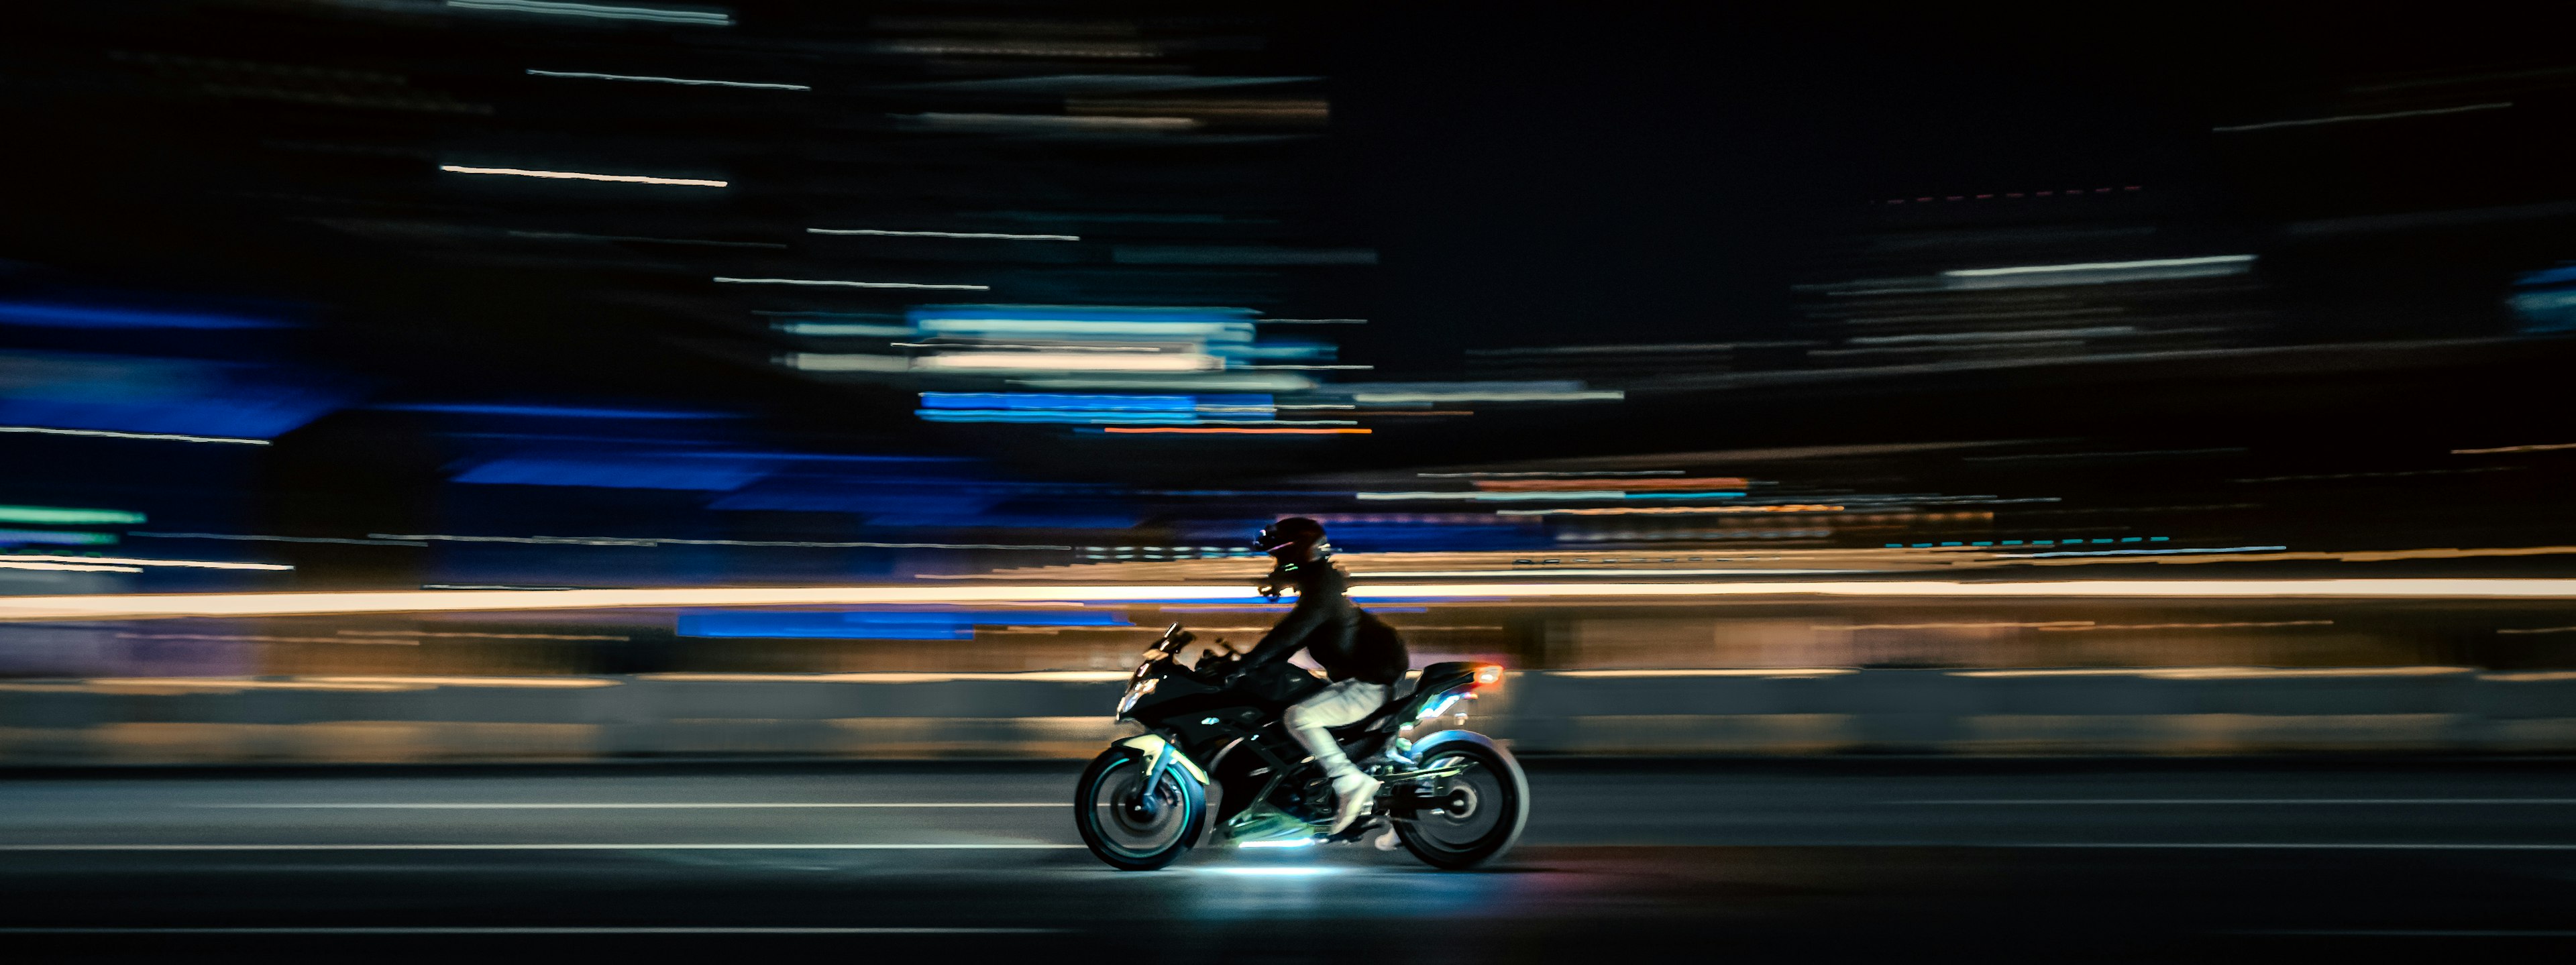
x: 1133, y: 827
x: 1488, y: 804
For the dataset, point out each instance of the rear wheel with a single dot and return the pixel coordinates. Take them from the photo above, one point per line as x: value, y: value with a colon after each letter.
x: 1133, y: 827
x: 1487, y: 805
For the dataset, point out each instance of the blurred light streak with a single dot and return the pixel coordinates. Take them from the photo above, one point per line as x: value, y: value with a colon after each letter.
x: 2221, y: 673
x: 1275, y: 432
x: 584, y: 176
x: 545, y: 411
x: 134, y: 561
x: 1702, y: 482
x: 2165, y: 552
x: 650, y: 541
x: 1542, y: 496
x: 1546, y: 475
x: 1556, y: 572
x: 695, y: 82
x: 485, y: 636
x: 1069, y: 362
x: 706, y: 18
x: 254, y: 638
x: 849, y: 284
x: 2100, y: 266
x: 1234, y: 381
x: 154, y: 436
x: 940, y: 234
x: 2191, y: 626
x: 650, y: 241
x: 846, y: 362
x: 2539, y: 630
x: 1048, y: 123
x: 51, y: 537
x: 58, y: 516
x: 146, y: 606
x: 2551, y: 447
x: 535, y: 683
x: 10, y: 564
x: 845, y: 329
x: 282, y: 539
x: 896, y: 677
x: 1670, y: 510
x: 95, y: 316
x: 2350, y: 118
x: 1779, y: 673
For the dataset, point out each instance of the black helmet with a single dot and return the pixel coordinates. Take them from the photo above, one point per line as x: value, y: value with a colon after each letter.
x: 1294, y: 529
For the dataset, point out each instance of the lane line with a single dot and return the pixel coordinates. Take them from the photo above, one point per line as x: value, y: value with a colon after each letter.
x: 500, y: 806
x: 639, y: 846
x: 530, y: 930
x: 2253, y: 800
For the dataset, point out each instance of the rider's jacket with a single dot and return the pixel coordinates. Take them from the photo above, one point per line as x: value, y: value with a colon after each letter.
x: 1328, y: 625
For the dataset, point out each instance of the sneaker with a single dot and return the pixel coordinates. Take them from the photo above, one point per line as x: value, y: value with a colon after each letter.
x: 1355, y: 795
x: 1387, y: 841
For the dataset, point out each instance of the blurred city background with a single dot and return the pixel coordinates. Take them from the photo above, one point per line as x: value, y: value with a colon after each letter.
x: 493, y: 301
x: 537, y: 478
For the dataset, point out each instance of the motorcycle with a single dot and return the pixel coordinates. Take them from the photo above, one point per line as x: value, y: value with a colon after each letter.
x: 1216, y: 762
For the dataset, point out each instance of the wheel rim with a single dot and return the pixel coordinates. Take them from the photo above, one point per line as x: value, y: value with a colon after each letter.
x: 1128, y: 822
x: 1483, y: 798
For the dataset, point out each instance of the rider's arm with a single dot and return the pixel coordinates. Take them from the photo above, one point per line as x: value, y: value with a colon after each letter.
x: 1284, y: 640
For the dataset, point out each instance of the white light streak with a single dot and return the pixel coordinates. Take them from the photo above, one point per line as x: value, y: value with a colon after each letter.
x: 1556, y: 572
x: 704, y: 18
x: 1496, y: 497
x: 691, y: 81
x: 845, y: 329
x: 829, y: 283
x: 132, y: 561
x: 2349, y: 118
x: 583, y: 176
x: 845, y: 362
x: 2100, y: 266
x: 67, y: 567
x: 145, y: 606
x: 1067, y: 362
x: 940, y: 234
x: 155, y: 436
x: 2226, y: 549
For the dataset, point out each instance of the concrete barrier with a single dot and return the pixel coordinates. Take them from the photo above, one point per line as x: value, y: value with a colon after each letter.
x: 1818, y: 711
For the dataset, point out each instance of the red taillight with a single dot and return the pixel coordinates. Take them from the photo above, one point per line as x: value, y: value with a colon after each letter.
x: 1488, y: 674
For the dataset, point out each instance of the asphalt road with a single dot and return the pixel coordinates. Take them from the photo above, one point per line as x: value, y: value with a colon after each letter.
x: 1840, y: 860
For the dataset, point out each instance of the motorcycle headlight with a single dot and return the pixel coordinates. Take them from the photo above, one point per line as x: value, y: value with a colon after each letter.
x: 1135, y: 692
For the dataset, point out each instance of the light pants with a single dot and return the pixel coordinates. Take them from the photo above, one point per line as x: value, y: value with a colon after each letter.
x: 1346, y: 702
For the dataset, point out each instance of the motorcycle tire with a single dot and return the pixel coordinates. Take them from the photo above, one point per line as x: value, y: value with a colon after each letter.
x: 1121, y: 828
x: 1498, y: 799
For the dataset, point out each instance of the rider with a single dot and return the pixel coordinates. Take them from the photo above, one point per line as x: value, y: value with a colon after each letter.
x: 1363, y: 666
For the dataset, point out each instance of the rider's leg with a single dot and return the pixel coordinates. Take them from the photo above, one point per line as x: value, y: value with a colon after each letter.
x: 1346, y: 702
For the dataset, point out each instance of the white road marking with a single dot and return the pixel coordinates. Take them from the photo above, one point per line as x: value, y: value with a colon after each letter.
x: 637, y: 846
x: 534, y: 930
x: 473, y: 806
x: 2255, y: 800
